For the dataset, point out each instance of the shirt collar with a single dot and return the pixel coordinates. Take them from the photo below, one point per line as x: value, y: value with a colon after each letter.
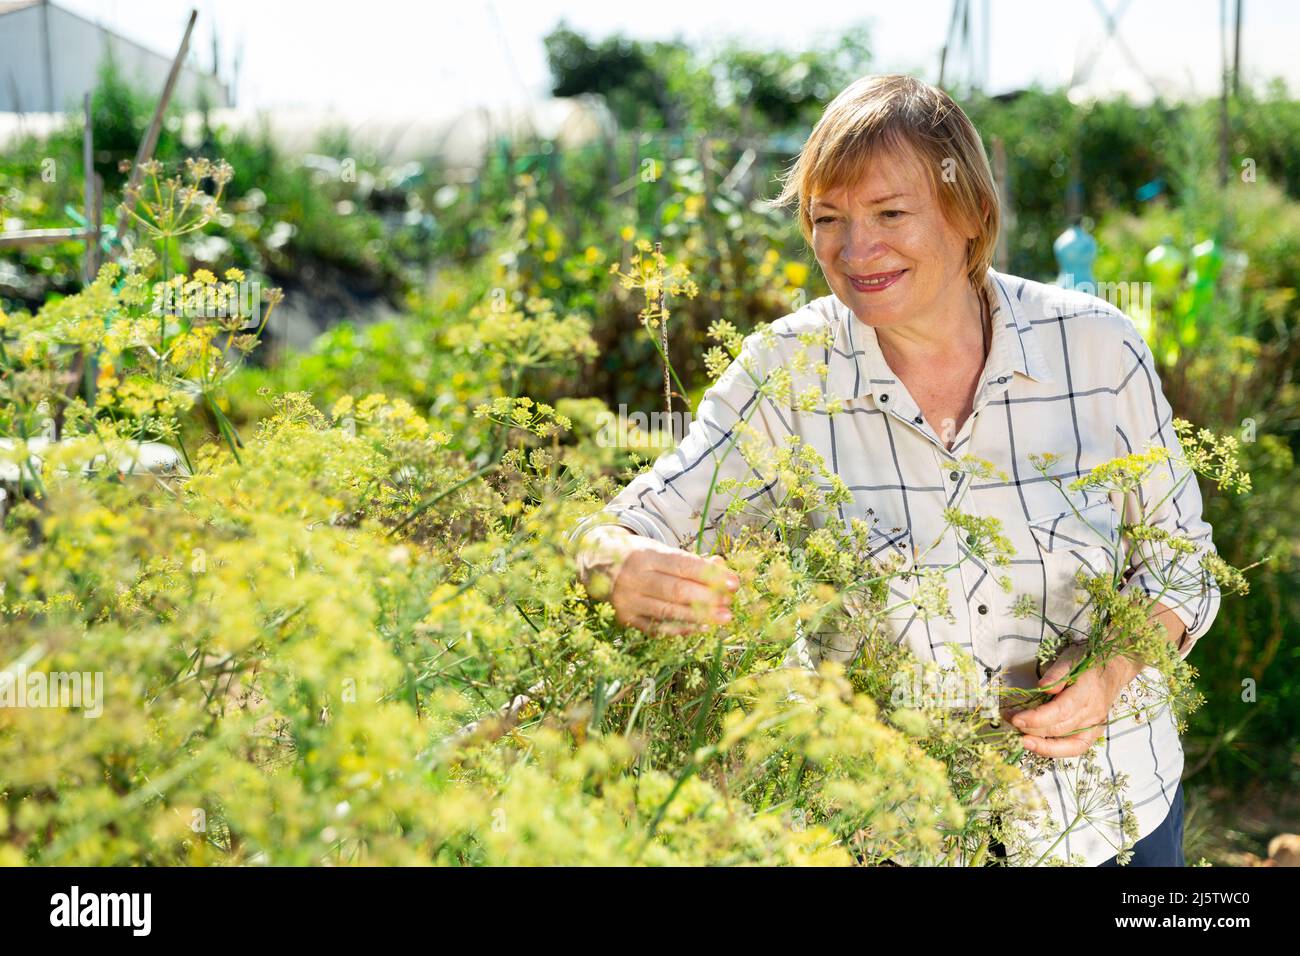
x: 858, y: 367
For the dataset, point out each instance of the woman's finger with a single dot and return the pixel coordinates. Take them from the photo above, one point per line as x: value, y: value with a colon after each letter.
x: 662, y: 628
x: 1079, y: 725
x: 709, y: 573
x: 657, y: 610
x: 1057, y: 746
x: 675, y: 590
x: 1057, y: 712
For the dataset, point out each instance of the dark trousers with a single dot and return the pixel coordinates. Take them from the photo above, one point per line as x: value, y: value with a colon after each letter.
x: 1163, y: 846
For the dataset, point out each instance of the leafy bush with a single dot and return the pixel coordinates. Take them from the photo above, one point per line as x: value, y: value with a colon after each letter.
x: 1222, y: 326
x: 357, y: 637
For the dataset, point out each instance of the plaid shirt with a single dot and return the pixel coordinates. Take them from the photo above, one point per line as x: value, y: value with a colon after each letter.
x: 1066, y: 373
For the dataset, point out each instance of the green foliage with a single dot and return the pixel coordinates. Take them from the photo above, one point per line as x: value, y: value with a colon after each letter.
x: 617, y: 68
x: 353, y: 633
x: 356, y: 636
x: 1222, y: 323
x: 671, y: 85
x: 286, y: 218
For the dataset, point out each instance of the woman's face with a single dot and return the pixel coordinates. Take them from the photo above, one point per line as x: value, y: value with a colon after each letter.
x: 889, y: 227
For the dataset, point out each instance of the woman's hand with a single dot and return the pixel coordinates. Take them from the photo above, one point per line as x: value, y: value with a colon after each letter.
x: 1083, y: 706
x: 654, y: 587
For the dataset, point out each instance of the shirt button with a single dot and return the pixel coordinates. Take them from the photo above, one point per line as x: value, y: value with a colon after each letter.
x: 954, y: 475
x: 1002, y: 379
x: 884, y: 398
x: 918, y: 419
x: 983, y: 608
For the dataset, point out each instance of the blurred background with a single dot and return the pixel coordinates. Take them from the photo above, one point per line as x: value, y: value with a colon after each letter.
x: 391, y: 157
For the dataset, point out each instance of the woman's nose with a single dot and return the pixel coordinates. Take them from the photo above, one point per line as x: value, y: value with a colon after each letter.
x: 862, y: 245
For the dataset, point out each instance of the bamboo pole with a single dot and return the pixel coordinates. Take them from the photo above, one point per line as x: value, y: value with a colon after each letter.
x: 40, y: 237
x: 663, y: 330
x: 150, y: 142
x: 90, y: 262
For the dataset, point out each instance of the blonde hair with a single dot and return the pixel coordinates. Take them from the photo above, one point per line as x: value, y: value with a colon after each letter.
x: 892, y: 112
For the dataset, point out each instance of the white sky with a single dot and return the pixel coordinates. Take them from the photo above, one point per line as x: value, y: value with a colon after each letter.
x: 434, y: 57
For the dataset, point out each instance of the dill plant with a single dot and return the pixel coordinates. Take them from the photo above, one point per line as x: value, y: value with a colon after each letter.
x: 355, y: 635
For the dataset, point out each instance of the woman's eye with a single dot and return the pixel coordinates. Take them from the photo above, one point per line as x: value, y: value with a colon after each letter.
x: 895, y: 213
x: 824, y: 219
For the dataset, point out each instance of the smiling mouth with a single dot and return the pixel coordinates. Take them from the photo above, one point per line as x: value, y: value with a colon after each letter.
x: 876, y: 280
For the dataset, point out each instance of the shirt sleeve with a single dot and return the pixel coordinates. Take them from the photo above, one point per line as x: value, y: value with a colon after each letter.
x: 1144, y: 419
x: 666, y: 501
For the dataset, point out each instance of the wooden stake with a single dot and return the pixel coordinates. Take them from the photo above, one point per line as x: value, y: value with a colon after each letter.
x: 89, y: 264
x: 663, y: 330
x: 150, y: 141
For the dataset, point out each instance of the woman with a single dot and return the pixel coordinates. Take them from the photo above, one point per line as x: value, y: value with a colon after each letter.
x: 936, y: 356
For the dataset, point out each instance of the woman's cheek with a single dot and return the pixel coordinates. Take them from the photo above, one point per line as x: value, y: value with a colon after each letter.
x: 824, y: 250
x: 914, y: 240
x: 820, y: 243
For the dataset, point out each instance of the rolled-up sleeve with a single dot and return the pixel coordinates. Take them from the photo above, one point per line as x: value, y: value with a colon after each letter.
x: 666, y: 501
x: 1144, y: 419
